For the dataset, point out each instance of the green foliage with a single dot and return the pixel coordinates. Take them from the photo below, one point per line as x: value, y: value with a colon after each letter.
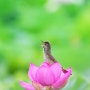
x: 24, y: 23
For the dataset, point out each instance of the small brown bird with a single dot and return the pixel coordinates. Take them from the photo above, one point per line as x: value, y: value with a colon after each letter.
x: 47, y: 52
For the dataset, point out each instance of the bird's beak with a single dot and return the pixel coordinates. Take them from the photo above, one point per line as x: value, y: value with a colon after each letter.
x: 42, y: 43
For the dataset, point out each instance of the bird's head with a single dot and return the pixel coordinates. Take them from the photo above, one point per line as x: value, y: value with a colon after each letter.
x: 46, y: 46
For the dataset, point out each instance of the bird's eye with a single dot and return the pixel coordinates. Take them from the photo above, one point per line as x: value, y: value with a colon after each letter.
x: 45, y: 44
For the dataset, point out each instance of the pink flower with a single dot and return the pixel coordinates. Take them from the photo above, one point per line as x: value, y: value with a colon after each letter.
x: 47, y: 76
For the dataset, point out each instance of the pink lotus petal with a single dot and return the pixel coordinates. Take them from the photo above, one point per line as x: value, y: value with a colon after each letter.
x: 26, y: 86
x: 45, y: 76
x: 56, y: 69
x: 45, y: 64
x: 63, y: 79
x: 37, y: 85
x: 32, y: 72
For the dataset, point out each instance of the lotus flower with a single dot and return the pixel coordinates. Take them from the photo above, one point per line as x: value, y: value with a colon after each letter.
x: 47, y: 77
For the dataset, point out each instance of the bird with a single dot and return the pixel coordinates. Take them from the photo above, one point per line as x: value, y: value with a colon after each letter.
x: 48, y: 57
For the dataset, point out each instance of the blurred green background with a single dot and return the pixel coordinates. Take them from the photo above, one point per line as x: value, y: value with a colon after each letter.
x: 24, y: 23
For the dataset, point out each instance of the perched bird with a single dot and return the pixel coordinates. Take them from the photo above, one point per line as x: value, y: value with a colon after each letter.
x: 47, y: 52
